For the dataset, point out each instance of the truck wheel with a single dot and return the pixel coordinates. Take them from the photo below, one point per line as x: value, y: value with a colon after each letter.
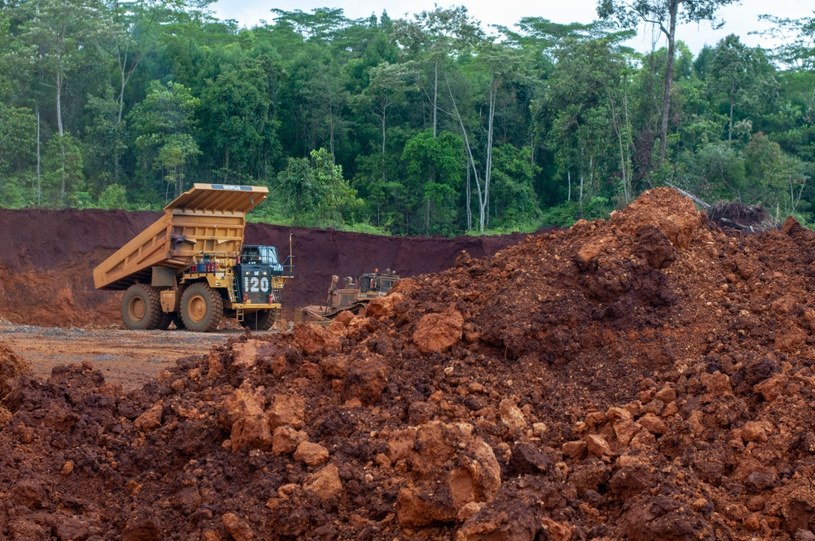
x: 201, y: 308
x: 141, y: 307
x: 262, y: 320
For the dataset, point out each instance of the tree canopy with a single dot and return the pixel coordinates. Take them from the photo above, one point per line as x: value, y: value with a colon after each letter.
x: 425, y: 125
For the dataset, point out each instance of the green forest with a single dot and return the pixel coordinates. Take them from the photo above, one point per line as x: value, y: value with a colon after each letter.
x: 427, y: 125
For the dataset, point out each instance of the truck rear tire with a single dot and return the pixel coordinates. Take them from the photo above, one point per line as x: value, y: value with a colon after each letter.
x: 202, y: 309
x: 261, y: 320
x: 141, y: 307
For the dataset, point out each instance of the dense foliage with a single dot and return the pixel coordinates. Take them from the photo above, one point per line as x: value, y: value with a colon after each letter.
x: 425, y: 125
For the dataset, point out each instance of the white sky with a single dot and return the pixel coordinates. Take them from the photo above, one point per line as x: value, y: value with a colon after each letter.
x: 739, y: 19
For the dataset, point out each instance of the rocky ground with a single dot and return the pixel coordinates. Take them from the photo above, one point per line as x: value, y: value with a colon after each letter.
x: 645, y: 377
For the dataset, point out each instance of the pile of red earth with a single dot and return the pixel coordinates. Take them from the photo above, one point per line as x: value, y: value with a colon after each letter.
x: 646, y: 377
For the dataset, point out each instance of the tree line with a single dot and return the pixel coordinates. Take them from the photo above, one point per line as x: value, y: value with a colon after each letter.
x: 422, y: 125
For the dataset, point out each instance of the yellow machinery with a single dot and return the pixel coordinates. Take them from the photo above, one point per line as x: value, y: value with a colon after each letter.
x: 191, y: 267
x: 353, y: 297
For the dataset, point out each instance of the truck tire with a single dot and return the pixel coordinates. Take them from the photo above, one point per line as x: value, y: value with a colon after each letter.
x: 261, y: 320
x: 202, y: 309
x: 141, y: 307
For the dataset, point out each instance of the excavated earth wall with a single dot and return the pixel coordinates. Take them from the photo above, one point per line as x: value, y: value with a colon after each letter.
x: 644, y: 377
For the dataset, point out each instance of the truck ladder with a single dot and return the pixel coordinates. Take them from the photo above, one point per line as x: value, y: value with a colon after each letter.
x: 239, y: 315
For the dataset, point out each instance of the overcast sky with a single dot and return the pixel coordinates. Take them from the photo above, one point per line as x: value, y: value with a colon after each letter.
x: 739, y: 19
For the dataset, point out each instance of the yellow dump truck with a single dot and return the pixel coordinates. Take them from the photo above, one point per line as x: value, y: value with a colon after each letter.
x: 191, y: 267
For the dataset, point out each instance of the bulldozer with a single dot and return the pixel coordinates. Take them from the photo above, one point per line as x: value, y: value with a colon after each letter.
x: 351, y: 296
x: 191, y: 267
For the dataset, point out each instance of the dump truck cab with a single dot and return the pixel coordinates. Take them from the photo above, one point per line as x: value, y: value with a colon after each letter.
x: 258, y: 275
x: 191, y: 267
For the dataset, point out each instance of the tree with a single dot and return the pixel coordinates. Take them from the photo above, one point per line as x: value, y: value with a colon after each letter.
x: 742, y: 75
x: 665, y: 14
x: 105, y: 138
x: 132, y: 34
x: 774, y: 178
x: 235, y: 108
x: 436, y: 35
x: 162, y: 124
x: 515, y: 204
x: 389, y: 83
x: 497, y: 66
x: 17, y: 156
x: 314, y: 192
x: 433, y: 175
x: 62, y: 31
x: 590, y: 130
x: 798, y: 50
x: 63, y: 179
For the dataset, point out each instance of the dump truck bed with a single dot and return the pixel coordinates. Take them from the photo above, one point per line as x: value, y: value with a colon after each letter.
x: 207, y: 219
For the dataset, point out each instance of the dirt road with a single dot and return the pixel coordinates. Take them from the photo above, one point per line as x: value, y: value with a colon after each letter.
x: 127, y: 357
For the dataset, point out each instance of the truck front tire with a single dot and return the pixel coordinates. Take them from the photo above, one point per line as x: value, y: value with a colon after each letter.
x: 202, y: 309
x: 141, y: 307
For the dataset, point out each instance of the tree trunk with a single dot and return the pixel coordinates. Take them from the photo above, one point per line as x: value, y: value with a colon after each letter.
x: 580, y: 193
x: 331, y: 131
x: 469, y: 149
x: 669, y: 73
x: 383, y: 125
x: 427, y: 218
x: 569, y: 180
x: 62, y: 170
x: 60, y: 130
x: 468, y: 191
x: 39, y: 161
x: 732, y: 105
x: 122, y: 83
x: 435, y: 95
x: 488, y: 167
x: 618, y: 130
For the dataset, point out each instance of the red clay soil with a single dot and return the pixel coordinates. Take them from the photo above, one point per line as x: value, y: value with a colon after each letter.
x: 645, y: 377
x: 50, y: 256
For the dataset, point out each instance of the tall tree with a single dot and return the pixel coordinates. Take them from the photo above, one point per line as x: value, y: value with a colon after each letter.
x: 389, y: 84
x: 314, y: 191
x: 133, y: 28
x: 436, y: 36
x: 798, y: 49
x: 496, y: 66
x: 163, y: 123
x: 62, y: 31
x: 236, y: 118
x: 665, y: 15
x: 742, y: 75
x: 433, y: 170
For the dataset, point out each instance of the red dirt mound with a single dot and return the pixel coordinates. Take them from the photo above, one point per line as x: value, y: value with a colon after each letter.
x: 50, y: 258
x: 645, y: 377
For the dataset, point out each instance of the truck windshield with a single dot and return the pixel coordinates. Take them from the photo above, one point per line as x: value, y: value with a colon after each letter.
x: 261, y: 255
